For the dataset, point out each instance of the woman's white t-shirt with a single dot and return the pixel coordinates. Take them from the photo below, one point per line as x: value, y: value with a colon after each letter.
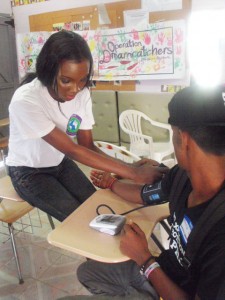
x: 33, y: 114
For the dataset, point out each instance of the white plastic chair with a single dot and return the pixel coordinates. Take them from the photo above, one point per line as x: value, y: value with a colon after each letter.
x: 117, y: 152
x: 142, y: 145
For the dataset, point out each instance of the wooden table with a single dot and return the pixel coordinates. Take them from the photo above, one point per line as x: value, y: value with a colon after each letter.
x: 75, y: 235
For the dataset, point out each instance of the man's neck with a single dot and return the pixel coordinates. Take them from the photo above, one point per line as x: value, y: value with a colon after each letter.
x: 206, y: 181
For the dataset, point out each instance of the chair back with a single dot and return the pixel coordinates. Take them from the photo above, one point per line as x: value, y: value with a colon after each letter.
x: 142, y: 145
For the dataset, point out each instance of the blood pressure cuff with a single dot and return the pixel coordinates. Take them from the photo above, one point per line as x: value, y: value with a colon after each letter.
x: 152, y: 194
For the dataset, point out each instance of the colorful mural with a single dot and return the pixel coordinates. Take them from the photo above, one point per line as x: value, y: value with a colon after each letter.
x: 154, y: 52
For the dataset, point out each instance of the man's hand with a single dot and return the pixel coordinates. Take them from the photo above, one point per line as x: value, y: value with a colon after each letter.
x: 134, y: 244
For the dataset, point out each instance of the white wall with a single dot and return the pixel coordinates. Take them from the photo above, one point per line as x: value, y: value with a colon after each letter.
x: 5, y: 7
x: 207, y: 4
x: 22, y: 13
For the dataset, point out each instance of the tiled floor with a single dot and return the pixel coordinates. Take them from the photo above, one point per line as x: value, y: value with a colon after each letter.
x: 49, y: 273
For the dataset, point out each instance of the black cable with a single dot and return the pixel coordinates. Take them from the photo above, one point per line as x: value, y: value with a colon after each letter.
x: 113, y: 212
x: 104, y: 205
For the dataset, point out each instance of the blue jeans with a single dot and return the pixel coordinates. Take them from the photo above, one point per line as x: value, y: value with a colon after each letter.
x: 57, y: 191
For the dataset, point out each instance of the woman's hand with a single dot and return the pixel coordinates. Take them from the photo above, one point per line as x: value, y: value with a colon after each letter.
x: 102, y: 179
x: 145, y: 173
x: 145, y: 161
x: 148, y: 173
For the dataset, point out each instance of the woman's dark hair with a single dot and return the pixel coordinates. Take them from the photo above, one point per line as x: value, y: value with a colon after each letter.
x: 209, y: 138
x: 60, y: 46
x: 28, y: 78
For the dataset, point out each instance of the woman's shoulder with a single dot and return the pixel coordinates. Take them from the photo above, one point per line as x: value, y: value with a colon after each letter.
x: 31, y: 88
x: 27, y: 94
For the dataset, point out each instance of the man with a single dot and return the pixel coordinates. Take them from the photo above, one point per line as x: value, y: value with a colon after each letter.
x: 197, y: 117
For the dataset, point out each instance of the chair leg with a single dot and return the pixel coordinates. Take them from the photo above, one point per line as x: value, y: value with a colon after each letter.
x: 51, y: 221
x: 3, y: 158
x: 15, y: 253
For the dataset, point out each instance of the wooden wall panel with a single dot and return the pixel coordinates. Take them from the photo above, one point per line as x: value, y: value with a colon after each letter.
x: 115, y: 12
x: 37, y: 22
x: 125, y: 85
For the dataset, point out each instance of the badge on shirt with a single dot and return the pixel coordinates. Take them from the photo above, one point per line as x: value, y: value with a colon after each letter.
x: 73, y: 125
x: 186, y: 228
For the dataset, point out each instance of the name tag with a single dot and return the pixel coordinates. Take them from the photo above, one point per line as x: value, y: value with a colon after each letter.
x: 186, y: 228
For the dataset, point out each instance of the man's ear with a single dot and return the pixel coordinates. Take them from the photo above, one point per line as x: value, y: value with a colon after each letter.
x: 185, y: 139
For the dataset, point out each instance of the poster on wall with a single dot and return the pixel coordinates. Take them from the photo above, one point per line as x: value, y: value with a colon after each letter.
x: 24, y: 2
x: 29, y: 45
x: 28, y: 48
x: 155, y: 51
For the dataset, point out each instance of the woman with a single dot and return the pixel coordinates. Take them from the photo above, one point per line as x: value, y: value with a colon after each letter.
x: 45, y: 115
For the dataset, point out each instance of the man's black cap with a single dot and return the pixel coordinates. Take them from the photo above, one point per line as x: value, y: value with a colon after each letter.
x: 196, y: 106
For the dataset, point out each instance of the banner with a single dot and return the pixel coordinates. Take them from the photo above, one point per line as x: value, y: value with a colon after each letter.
x: 30, y: 44
x: 24, y: 2
x: 156, y: 51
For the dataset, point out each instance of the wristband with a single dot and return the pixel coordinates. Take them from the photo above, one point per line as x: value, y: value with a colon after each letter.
x: 142, y: 269
x: 111, y: 183
x: 150, y: 269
